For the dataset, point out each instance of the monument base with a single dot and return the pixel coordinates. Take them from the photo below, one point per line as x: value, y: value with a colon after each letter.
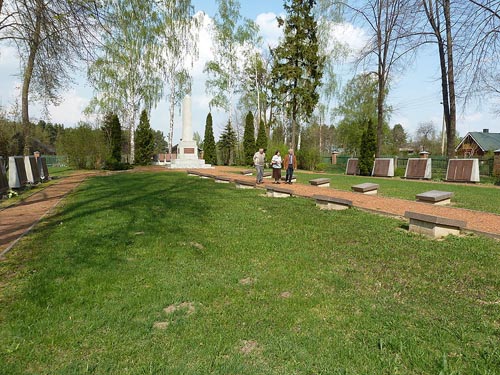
x: 188, y: 164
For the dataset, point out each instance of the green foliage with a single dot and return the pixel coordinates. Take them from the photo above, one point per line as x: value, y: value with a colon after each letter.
x: 308, y: 158
x: 84, y: 147
x: 227, y: 145
x: 160, y: 143
x: 367, y: 150
x: 261, y: 141
x: 144, y: 141
x: 298, y: 66
x: 249, y: 139
x: 113, y: 137
x: 209, y: 147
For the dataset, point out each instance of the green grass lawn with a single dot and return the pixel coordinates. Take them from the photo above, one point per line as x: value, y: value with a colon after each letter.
x: 252, y: 285
x: 474, y: 197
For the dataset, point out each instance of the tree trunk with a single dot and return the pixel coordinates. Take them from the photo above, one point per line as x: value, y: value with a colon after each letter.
x: 28, y: 74
x: 451, y: 129
x: 171, y: 128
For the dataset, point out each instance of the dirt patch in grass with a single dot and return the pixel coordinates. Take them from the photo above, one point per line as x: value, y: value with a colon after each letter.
x: 247, y: 281
x: 286, y: 295
x: 187, y: 306
x: 248, y: 347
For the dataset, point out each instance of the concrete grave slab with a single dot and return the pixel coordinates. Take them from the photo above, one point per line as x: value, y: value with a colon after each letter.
x: 366, y: 188
x: 320, y: 182
x: 278, y: 192
x: 223, y: 179
x: 247, y: 172
x: 32, y: 172
x: 331, y: 203
x: 4, y: 183
x: 436, y: 197
x: 243, y: 184
x: 463, y: 170
x: 434, y: 226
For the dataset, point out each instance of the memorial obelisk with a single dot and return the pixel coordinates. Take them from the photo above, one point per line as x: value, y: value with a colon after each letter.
x: 187, y: 150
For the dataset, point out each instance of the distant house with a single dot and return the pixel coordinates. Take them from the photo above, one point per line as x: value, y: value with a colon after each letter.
x: 476, y: 144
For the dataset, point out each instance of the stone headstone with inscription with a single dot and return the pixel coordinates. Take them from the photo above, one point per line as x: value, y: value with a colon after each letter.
x: 17, y: 172
x: 4, y: 183
x: 419, y: 169
x: 352, y: 167
x: 463, y: 170
x: 383, y: 167
x: 31, y: 167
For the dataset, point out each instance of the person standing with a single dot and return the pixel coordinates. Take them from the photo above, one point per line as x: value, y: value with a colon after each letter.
x: 276, y: 164
x: 290, y: 163
x: 258, y: 160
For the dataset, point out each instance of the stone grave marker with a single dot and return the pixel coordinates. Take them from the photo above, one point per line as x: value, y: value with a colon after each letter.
x: 41, y: 163
x: 383, y: 167
x: 4, y: 183
x: 17, y: 172
x: 463, y: 170
x: 31, y: 167
x: 419, y: 169
x: 352, y: 167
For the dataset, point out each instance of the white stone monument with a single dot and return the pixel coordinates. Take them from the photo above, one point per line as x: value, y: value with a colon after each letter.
x: 187, y: 151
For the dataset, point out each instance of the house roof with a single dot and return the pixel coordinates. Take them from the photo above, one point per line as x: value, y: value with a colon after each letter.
x: 487, y: 141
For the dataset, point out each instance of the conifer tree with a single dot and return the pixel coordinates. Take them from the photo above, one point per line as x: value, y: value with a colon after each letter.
x: 261, y: 141
x: 227, y: 144
x: 249, y: 139
x: 367, y: 150
x: 209, y: 148
x: 144, y: 141
x: 298, y: 65
x: 113, y: 135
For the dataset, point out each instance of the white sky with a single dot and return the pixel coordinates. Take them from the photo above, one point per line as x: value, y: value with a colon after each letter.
x: 415, y: 96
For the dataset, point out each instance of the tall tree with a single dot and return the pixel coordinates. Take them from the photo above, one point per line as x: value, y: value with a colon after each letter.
x: 249, y: 139
x: 261, y: 141
x: 227, y: 145
x: 144, y: 141
x: 51, y: 36
x: 298, y: 66
x: 179, y: 39
x: 368, y: 149
x: 209, y: 147
x: 127, y: 75
x: 391, y: 24
x: 438, y: 13
x: 113, y: 136
x: 230, y: 37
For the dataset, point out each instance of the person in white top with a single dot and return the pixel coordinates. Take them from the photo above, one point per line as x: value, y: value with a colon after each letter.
x: 258, y: 160
x: 276, y: 164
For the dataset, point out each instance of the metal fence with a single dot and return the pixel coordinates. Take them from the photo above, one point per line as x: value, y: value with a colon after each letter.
x: 56, y: 160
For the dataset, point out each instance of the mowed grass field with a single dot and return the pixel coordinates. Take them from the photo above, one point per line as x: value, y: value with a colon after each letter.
x: 161, y: 273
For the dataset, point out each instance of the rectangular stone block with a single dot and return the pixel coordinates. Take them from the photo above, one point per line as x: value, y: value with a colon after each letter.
x: 352, y: 167
x: 331, y: 203
x: 31, y: 167
x: 435, y: 197
x: 463, y: 170
x: 277, y: 192
x: 433, y: 226
x: 243, y: 184
x: 366, y: 188
x: 383, y: 167
x: 320, y: 182
x: 4, y: 183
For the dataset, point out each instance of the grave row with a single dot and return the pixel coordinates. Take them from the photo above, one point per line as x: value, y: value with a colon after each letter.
x: 22, y: 170
x: 459, y: 170
x: 430, y: 225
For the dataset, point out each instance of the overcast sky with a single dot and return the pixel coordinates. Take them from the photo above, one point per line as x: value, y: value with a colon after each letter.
x: 414, y: 95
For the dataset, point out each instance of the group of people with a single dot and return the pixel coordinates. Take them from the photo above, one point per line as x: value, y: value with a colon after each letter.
x: 289, y: 163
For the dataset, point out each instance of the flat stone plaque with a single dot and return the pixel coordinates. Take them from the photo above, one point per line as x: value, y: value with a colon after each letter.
x: 331, y: 203
x: 320, y: 182
x: 189, y: 150
x: 419, y: 169
x: 352, y: 167
x: 463, y: 170
x: 277, y: 192
x: 433, y: 226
